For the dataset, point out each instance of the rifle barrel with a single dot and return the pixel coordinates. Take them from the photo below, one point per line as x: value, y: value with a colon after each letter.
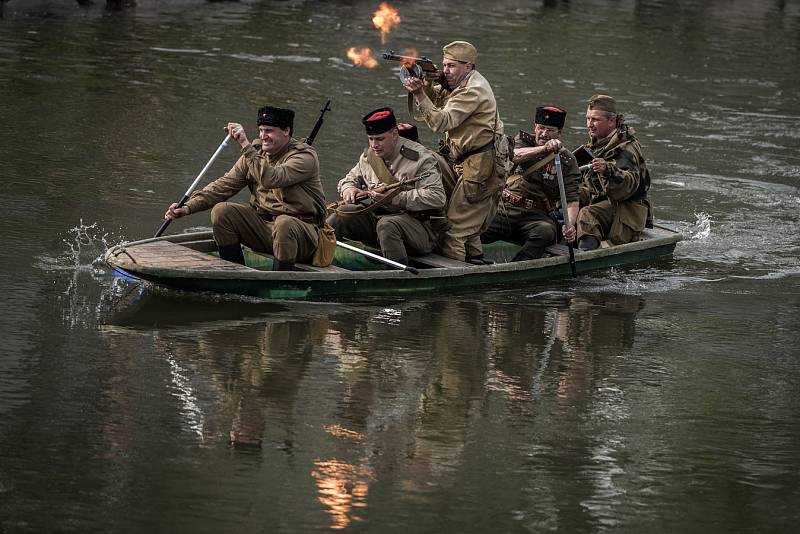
x: 318, y: 125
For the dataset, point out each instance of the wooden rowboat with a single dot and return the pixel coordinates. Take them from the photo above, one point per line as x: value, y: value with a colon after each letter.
x: 189, y: 261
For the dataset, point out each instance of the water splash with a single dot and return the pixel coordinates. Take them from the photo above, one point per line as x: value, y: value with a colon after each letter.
x: 81, y: 275
x: 85, y: 245
x: 702, y: 226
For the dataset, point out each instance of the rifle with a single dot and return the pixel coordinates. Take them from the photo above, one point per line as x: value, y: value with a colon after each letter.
x: 364, y: 195
x: 310, y: 139
x: 413, y: 66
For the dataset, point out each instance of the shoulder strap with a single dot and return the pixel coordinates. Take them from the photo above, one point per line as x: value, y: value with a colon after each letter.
x: 379, y: 167
x: 532, y: 169
x: 409, y: 153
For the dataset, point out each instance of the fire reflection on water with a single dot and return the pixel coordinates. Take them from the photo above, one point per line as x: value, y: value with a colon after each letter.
x: 342, y: 489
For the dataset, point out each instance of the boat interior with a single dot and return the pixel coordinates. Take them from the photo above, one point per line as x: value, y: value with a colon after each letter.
x: 201, y: 253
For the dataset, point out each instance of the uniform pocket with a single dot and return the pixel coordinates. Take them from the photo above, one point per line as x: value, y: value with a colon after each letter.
x: 480, y: 176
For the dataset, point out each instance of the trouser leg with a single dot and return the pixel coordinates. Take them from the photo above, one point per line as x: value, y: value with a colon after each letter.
x: 287, y: 238
x: 489, y: 209
x: 293, y: 240
x: 360, y: 227
x: 468, y: 220
x: 239, y: 223
x: 501, y: 227
x: 595, y: 220
x: 539, y: 234
x: 400, y: 235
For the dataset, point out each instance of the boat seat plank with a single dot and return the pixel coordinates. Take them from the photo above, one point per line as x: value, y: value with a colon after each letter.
x: 328, y: 269
x: 202, y: 245
x: 434, y: 260
x: 173, y: 255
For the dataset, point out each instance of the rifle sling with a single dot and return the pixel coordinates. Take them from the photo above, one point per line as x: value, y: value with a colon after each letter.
x: 371, y: 207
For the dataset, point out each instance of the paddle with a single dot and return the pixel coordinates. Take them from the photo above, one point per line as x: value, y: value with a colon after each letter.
x: 565, y: 212
x: 375, y: 257
x: 194, y: 184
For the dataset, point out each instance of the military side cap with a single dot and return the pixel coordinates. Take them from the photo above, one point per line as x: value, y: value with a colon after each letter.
x: 550, y: 116
x: 461, y: 51
x: 278, y: 117
x: 409, y: 131
x: 603, y: 103
x: 379, y: 121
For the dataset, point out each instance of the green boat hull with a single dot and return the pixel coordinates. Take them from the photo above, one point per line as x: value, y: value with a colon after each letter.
x: 355, y: 276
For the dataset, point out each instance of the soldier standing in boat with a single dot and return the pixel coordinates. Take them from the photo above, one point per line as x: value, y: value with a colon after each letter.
x: 531, y: 193
x: 463, y: 108
x: 287, y: 205
x: 614, y: 203
x: 404, y: 220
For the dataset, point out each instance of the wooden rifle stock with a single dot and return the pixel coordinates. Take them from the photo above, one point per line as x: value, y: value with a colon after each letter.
x: 365, y: 194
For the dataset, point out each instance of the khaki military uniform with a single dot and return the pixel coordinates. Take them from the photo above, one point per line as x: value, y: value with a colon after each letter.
x: 523, y: 216
x: 286, y: 206
x: 402, y: 226
x: 468, y: 118
x: 615, y: 207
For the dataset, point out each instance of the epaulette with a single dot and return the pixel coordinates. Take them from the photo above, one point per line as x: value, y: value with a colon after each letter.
x: 527, y: 137
x: 409, y: 153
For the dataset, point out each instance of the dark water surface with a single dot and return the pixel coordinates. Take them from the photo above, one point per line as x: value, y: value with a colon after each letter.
x: 661, y: 398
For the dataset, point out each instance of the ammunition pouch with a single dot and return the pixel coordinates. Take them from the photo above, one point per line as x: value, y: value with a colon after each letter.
x: 326, y: 247
x: 479, y: 176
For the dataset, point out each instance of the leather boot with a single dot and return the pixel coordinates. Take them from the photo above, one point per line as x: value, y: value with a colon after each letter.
x: 278, y: 265
x: 530, y: 254
x: 588, y: 242
x: 232, y: 253
x: 478, y: 260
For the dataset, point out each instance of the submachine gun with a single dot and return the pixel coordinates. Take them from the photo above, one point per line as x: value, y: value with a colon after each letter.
x: 418, y: 67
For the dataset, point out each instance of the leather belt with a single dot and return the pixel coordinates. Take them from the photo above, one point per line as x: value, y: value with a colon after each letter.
x: 529, y: 204
x: 463, y: 157
x: 420, y: 215
x: 270, y: 216
x: 424, y: 215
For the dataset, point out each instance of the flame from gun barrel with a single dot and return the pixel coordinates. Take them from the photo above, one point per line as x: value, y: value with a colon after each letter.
x: 385, y: 19
x: 362, y: 57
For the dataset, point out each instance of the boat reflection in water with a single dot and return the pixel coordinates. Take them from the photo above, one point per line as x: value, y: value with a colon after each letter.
x: 409, y: 397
